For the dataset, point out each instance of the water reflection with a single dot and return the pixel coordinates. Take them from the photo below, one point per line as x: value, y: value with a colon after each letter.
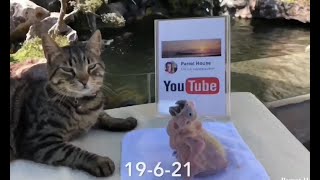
x: 262, y: 38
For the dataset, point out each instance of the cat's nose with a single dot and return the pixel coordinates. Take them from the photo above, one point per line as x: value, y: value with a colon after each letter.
x: 84, y: 82
x: 83, y: 79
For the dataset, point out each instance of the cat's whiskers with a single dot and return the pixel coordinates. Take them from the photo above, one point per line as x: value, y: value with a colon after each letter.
x: 63, y: 98
x: 57, y: 97
x: 109, y: 90
x: 107, y: 84
x: 60, y: 99
x: 53, y: 98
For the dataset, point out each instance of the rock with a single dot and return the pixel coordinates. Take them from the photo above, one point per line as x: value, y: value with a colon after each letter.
x: 44, y: 26
x: 193, y: 7
x: 129, y: 10
x: 31, y: 69
x: 50, y: 5
x: 299, y: 11
x: 54, y: 5
x: 239, y: 8
x: 270, y: 9
x: 119, y: 13
x: 205, y: 8
x: 132, y: 10
x: 244, y: 13
x: 119, y: 9
x: 23, y: 14
x: 296, y: 10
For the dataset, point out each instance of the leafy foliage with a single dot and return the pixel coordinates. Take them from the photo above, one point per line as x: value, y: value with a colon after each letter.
x: 305, y: 2
x: 90, y: 5
x: 32, y: 49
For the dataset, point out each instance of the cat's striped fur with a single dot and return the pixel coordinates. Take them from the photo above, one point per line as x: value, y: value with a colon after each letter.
x: 48, y: 112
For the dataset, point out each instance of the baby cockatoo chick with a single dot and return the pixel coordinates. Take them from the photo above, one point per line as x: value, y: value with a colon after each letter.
x: 193, y: 144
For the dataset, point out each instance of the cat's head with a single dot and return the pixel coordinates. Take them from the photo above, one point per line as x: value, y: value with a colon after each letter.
x: 75, y: 70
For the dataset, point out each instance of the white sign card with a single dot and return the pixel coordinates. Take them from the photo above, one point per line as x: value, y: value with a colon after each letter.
x: 192, y: 63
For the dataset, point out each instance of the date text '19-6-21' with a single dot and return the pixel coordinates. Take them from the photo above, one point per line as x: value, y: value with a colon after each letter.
x: 158, y: 171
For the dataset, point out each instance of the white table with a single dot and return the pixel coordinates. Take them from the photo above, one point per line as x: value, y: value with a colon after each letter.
x: 282, y: 155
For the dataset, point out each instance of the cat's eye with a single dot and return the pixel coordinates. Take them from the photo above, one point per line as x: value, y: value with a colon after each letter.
x: 90, y: 68
x: 67, y: 70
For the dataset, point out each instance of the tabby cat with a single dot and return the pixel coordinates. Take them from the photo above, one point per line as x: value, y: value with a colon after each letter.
x: 47, y: 113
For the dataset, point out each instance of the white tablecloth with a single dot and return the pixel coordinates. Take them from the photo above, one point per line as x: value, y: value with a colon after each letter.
x: 281, y: 154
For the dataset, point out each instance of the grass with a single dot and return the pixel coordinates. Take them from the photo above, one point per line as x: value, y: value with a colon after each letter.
x: 32, y: 49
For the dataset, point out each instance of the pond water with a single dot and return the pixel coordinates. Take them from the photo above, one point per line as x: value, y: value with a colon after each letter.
x: 130, y: 60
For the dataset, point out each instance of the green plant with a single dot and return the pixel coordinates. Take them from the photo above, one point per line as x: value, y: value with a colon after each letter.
x: 304, y: 2
x: 33, y: 49
x: 113, y: 20
x: 90, y: 5
x: 289, y: 1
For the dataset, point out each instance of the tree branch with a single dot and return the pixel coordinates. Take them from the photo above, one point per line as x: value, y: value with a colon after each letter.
x: 59, y: 27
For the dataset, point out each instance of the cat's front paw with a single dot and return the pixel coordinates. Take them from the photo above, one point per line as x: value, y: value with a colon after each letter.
x: 101, y: 167
x: 131, y: 123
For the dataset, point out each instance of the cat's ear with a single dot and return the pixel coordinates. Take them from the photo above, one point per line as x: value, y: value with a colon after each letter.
x: 94, y: 43
x: 50, y: 47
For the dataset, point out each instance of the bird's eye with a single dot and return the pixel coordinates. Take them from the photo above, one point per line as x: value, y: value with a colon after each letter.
x: 190, y: 114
